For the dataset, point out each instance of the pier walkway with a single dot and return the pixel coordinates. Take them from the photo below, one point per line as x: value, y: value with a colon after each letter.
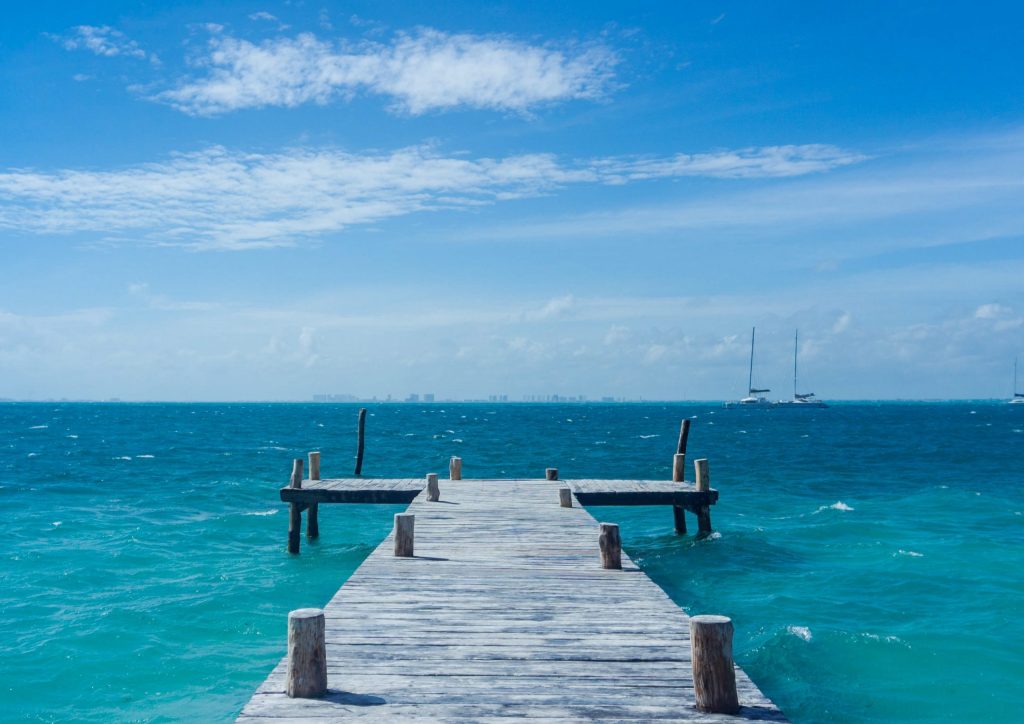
x: 504, y: 612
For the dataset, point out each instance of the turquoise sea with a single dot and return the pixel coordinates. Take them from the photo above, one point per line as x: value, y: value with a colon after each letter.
x: 870, y: 555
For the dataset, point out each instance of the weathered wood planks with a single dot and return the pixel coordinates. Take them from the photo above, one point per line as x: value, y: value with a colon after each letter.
x: 503, y: 612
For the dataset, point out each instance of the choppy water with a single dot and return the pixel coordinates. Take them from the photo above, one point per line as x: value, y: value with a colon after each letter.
x: 870, y: 554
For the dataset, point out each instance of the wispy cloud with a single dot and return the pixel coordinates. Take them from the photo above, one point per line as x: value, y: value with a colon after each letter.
x: 221, y: 199
x: 424, y: 71
x: 102, y: 40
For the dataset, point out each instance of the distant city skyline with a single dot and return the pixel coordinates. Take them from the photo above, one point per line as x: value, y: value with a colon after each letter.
x: 265, y: 202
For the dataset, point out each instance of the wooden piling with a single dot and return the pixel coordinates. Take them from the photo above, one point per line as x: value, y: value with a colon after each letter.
x: 313, y: 511
x: 565, y: 497
x: 678, y: 467
x: 679, y: 519
x: 433, y: 491
x: 360, y: 440
x: 714, y: 680
x: 684, y: 436
x: 294, y: 511
x: 307, y: 654
x: 551, y: 474
x: 404, y: 534
x: 455, y: 468
x: 611, y: 546
x: 702, y: 480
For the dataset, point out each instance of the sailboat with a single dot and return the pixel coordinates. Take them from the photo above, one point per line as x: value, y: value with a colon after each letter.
x: 1018, y: 397
x: 755, y: 397
x: 805, y: 399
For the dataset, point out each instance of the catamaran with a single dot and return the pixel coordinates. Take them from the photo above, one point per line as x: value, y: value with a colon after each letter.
x: 805, y: 399
x: 755, y: 397
x: 1018, y: 397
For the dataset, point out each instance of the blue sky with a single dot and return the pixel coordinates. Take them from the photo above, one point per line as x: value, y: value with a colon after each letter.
x: 269, y: 200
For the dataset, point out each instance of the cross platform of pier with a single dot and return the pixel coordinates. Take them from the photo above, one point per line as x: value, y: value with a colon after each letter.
x: 503, y: 612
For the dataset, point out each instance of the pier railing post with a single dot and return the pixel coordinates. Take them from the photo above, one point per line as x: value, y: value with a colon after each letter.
x: 611, y: 546
x: 455, y: 468
x: 307, y: 654
x: 404, y: 534
x: 714, y: 680
x: 313, y: 511
x: 565, y: 497
x: 294, y: 511
x: 433, y: 491
x: 551, y: 474
x: 702, y: 478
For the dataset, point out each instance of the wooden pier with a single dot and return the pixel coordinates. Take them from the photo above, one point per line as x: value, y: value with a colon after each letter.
x: 501, y: 600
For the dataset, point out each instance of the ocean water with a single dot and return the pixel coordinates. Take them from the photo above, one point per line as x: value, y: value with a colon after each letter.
x: 869, y: 554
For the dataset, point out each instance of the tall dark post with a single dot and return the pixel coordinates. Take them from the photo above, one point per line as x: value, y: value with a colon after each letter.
x: 684, y: 435
x: 678, y: 471
x: 361, y: 441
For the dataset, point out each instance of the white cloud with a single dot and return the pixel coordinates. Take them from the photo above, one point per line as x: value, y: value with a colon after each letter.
x: 103, y: 40
x: 423, y: 71
x: 991, y: 311
x: 219, y: 199
x: 263, y: 15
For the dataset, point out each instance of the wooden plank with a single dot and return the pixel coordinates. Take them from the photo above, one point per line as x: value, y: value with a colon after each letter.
x: 503, y: 612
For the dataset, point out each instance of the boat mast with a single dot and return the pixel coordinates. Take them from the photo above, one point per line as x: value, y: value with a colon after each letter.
x: 750, y: 377
x: 796, y: 341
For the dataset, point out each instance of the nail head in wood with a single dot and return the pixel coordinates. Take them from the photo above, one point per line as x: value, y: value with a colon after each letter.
x: 565, y: 497
x: 307, y: 654
x: 404, y: 533
x: 714, y: 679
x: 678, y: 467
x: 314, y: 466
x: 433, y: 491
x: 551, y: 473
x: 455, y: 468
x: 611, y: 546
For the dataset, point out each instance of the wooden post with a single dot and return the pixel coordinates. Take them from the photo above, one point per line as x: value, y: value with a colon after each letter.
x: 433, y: 491
x: 313, y: 511
x: 678, y: 467
x: 404, y: 533
x: 360, y: 433
x: 702, y: 475
x: 684, y: 435
x: 455, y: 468
x: 551, y: 473
x: 294, y: 511
x: 565, y: 497
x: 702, y: 479
x: 611, y: 546
x: 679, y: 519
x: 307, y: 654
x: 714, y: 680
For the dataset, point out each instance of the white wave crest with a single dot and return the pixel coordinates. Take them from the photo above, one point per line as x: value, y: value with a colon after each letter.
x: 801, y: 632
x: 262, y: 512
x: 838, y: 505
x: 912, y: 554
